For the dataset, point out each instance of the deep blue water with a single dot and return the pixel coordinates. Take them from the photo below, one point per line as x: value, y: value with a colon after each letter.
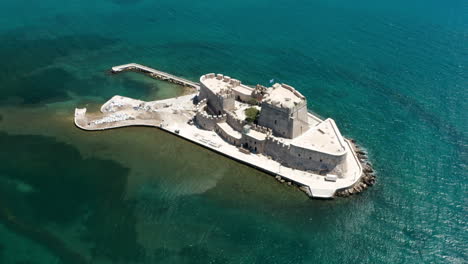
x: 392, y: 74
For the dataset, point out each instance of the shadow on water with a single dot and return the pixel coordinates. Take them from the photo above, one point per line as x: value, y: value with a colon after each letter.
x: 37, y: 234
x: 28, y: 76
x: 75, y: 189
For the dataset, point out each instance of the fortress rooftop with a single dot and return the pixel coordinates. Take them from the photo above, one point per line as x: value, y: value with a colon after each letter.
x: 283, y: 95
x: 325, y: 137
x: 220, y: 84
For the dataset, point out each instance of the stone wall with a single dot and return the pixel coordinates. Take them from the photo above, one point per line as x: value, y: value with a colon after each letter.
x: 235, y: 123
x: 230, y: 139
x: 302, y: 158
x: 242, y: 97
x: 277, y: 150
x: 299, y: 123
x: 275, y: 118
x: 218, y: 103
x: 253, y: 144
x: 205, y: 120
x: 285, y: 122
x: 261, y: 129
x: 307, y: 159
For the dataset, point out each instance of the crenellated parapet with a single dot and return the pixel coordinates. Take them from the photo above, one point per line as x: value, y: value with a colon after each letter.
x: 235, y: 123
x: 205, y: 120
x: 261, y: 129
x: 276, y: 149
x: 225, y: 95
x: 201, y: 105
x: 238, y: 125
x: 277, y: 142
x: 218, y: 90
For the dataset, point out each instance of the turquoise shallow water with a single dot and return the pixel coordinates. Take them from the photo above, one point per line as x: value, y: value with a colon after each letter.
x: 392, y: 74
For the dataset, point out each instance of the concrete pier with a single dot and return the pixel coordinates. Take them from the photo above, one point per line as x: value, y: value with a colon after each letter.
x: 155, y: 73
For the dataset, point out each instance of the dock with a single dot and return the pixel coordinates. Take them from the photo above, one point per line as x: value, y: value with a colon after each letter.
x: 156, y: 74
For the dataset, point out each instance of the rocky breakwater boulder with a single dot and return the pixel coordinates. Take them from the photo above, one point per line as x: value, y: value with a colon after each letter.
x: 367, y: 180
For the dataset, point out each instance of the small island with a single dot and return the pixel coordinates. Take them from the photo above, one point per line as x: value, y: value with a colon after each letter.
x: 268, y: 128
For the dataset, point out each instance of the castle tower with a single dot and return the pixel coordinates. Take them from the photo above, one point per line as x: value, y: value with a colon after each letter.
x: 284, y: 110
x: 217, y: 89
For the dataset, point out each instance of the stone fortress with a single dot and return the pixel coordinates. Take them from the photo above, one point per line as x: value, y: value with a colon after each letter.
x: 283, y: 139
x: 286, y: 131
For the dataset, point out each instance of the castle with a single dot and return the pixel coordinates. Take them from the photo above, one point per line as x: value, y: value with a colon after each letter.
x: 268, y: 128
x: 284, y: 131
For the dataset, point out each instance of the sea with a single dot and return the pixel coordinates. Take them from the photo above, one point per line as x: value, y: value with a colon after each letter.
x: 392, y: 74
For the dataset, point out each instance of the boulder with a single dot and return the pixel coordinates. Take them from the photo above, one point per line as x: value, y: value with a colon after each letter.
x: 367, y: 169
x: 361, y: 153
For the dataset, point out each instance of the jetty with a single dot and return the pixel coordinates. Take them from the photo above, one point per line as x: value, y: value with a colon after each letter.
x: 286, y: 141
x: 156, y: 74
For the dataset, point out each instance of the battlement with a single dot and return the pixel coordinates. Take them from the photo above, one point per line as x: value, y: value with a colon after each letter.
x: 225, y: 95
x: 205, y: 120
x: 216, y: 118
x: 239, y: 124
x: 219, y: 82
x: 278, y: 143
x: 261, y: 129
x: 201, y: 105
x: 235, y: 123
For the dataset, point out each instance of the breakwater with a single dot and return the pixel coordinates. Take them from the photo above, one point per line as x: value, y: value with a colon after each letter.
x: 164, y: 76
x: 368, y: 178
